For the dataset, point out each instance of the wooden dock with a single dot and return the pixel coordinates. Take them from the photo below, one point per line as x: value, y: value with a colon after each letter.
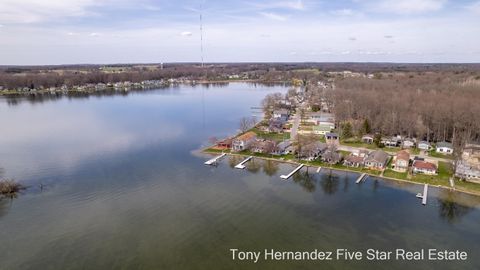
x: 292, y: 173
x: 361, y: 178
x: 214, y: 160
x: 240, y: 165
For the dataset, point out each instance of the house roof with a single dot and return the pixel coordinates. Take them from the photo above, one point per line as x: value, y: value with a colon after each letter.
x: 378, y: 156
x: 444, y: 144
x: 354, y: 159
x: 424, y: 142
x: 424, y: 165
x: 367, y: 136
x: 403, y: 155
x: 280, y: 111
x: 247, y: 136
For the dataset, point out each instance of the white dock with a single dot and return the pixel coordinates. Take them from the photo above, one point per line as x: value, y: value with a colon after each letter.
x: 214, y: 160
x: 318, y: 170
x: 240, y: 165
x: 292, y: 173
x: 361, y: 178
x: 425, y: 194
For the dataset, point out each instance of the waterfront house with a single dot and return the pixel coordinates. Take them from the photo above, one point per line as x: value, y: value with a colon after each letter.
x: 312, y: 151
x: 424, y: 167
x: 354, y: 161
x: 444, y: 148
x: 331, y: 156
x: 401, y: 162
x: 356, y: 158
x: 467, y: 171
x: 244, y: 141
x: 408, y: 143
x: 468, y: 167
x: 377, y: 160
x: 263, y: 146
x: 424, y: 145
x: 368, y: 138
x: 332, y: 138
x: 225, y: 144
x: 281, y: 114
x: 281, y: 148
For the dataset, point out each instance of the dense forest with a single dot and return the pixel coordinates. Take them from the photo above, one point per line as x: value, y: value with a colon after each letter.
x: 434, y: 106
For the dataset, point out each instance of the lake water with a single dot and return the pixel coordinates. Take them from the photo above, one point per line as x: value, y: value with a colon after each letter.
x: 115, y: 183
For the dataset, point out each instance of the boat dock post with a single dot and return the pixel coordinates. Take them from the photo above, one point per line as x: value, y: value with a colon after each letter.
x: 240, y: 165
x: 318, y: 170
x: 214, y: 160
x: 361, y: 178
x: 292, y: 173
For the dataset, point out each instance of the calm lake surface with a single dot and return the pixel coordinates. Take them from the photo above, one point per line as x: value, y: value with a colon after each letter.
x: 124, y: 189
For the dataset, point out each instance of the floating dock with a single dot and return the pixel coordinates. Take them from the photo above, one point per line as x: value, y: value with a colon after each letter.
x: 361, y: 178
x: 424, y: 195
x: 240, y: 165
x: 318, y: 170
x: 214, y: 160
x: 292, y: 173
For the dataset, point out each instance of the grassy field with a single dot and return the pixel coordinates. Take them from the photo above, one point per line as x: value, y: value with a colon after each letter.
x: 271, y: 135
x: 433, y: 153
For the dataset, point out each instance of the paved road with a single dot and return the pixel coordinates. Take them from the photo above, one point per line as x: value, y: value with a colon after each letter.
x: 296, y: 124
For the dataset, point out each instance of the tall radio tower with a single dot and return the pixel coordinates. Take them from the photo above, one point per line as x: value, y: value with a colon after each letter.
x: 201, y: 33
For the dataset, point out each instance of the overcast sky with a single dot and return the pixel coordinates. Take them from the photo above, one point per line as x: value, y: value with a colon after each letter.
x: 127, y: 31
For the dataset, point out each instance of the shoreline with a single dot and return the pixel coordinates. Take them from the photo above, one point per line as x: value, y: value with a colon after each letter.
x: 13, y: 92
x: 207, y: 150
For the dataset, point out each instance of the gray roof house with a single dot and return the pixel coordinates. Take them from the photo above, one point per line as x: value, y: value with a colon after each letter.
x: 377, y: 160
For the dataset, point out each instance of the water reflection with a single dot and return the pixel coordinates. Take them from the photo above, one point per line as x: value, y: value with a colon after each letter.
x: 305, y: 179
x: 270, y: 167
x: 449, y: 208
x: 330, y: 183
x: 254, y: 165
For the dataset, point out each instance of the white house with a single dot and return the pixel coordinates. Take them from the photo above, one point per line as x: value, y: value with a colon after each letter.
x: 243, y: 141
x: 444, y: 148
x: 423, y: 145
x: 408, y: 143
x: 281, y: 113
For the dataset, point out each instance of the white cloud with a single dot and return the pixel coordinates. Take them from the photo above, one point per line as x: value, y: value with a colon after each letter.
x: 94, y: 34
x: 408, y: 6
x: 273, y: 16
x: 343, y: 12
x: 186, y: 34
x: 294, y: 5
x: 474, y: 7
x: 30, y: 11
x: 1, y: 25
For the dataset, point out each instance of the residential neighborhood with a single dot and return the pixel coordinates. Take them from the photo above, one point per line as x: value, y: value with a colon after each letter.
x: 293, y: 130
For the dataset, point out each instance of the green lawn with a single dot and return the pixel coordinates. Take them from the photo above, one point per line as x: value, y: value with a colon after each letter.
x: 271, y: 135
x: 393, y: 174
x: 433, y: 153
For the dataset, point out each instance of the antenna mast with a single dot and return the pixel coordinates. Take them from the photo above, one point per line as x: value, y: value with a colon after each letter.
x: 201, y: 34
